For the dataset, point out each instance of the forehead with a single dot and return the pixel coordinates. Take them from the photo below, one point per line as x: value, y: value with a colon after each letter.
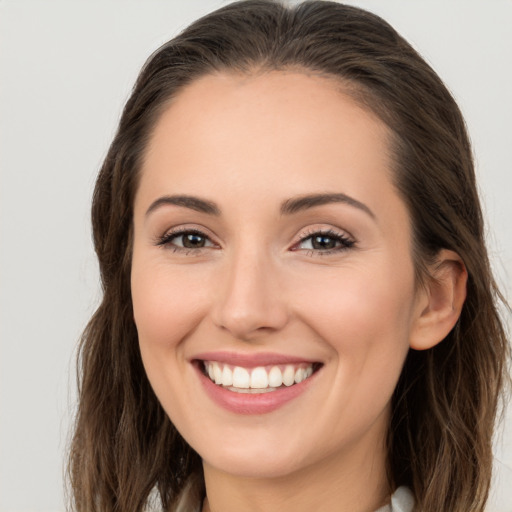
x: 269, y: 101
x: 272, y: 133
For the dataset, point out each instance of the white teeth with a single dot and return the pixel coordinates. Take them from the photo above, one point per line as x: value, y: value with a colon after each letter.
x: 227, y: 376
x: 217, y: 373
x: 275, y: 377
x: 259, y: 378
x: 289, y: 375
x: 241, y: 378
x: 299, y: 375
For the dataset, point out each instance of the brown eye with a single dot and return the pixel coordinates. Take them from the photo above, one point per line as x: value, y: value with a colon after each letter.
x: 323, y: 242
x: 327, y: 242
x: 193, y: 240
x: 185, y: 240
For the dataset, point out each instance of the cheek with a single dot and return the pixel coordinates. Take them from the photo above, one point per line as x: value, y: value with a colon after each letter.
x: 358, y: 301
x: 365, y: 316
x: 166, y: 302
x: 365, y: 321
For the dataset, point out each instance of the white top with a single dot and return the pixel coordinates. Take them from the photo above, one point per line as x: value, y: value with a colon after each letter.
x: 401, y: 501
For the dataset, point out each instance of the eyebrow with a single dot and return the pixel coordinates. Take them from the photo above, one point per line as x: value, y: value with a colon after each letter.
x: 288, y: 207
x: 301, y: 203
x: 194, y: 203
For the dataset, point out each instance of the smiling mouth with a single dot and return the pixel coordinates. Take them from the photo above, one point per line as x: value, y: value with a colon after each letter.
x: 257, y: 380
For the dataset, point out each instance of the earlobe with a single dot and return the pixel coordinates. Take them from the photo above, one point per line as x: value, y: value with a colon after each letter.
x: 440, y: 302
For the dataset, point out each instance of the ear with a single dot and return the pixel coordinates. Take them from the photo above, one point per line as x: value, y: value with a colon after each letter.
x: 440, y: 301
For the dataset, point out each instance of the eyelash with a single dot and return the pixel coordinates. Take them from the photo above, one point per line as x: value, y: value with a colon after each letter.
x: 344, y: 241
x: 167, y: 240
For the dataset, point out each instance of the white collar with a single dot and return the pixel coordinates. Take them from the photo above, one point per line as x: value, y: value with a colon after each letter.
x: 401, y: 501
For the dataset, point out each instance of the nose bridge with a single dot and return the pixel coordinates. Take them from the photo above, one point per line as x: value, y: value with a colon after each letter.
x: 250, y: 300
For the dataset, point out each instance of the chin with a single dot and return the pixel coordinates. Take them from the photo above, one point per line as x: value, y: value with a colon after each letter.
x: 255, y: 465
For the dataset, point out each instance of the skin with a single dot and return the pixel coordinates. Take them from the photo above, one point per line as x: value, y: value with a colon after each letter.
x: 248, y: 144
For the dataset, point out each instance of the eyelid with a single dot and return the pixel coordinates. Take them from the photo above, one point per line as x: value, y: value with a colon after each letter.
x: 174, y: 232
x: 324, y: 229
x: 346, y: 239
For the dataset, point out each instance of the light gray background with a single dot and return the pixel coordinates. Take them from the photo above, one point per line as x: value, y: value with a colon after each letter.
x: 66, y: 69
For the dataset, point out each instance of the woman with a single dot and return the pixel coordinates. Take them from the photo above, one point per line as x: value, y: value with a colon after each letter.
x: 298, y: 309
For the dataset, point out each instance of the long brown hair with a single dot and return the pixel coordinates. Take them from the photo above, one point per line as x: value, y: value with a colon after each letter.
x: 125, y: 450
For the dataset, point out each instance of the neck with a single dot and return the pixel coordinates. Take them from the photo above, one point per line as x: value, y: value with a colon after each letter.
x: 354, y: 481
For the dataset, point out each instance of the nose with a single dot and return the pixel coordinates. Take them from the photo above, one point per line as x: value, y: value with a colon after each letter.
x: 250, y: 302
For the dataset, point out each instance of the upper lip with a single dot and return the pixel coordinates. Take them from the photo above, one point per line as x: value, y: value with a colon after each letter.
x: 251, y: 360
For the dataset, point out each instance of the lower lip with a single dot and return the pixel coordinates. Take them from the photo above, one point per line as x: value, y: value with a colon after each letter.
x: 252, y: 403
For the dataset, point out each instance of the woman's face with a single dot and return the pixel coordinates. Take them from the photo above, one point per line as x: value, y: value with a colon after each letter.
x: 270, y: 244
